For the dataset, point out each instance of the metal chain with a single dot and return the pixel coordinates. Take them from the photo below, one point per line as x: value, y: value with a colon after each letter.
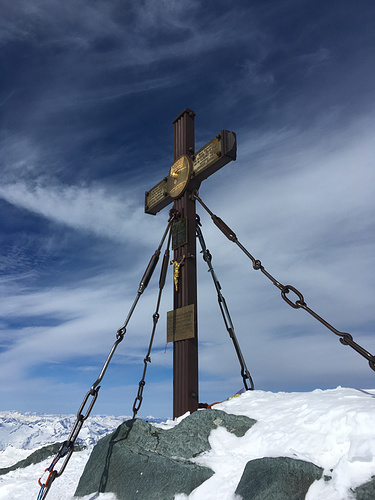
x: 67, y: 447
x: 207, y: 257
x: 163, y: 273
x: 299, y: 303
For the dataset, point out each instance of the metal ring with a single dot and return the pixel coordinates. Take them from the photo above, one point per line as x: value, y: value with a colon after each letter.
x: 298, y: 303
x: 346, y: 338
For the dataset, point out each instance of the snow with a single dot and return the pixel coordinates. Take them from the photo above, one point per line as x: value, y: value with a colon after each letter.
x: 22, y: 434
x: 334, y: 429
x: 31, y: 431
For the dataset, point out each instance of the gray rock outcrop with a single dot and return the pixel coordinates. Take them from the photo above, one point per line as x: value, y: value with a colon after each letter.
x: 140, y: 461
x: 278, y: 478
x: 366, y: 491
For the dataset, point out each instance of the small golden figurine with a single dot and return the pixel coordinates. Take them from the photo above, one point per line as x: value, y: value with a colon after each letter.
x: 176, y: 271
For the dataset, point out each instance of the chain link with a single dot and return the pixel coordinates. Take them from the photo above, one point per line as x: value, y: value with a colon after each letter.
x: 207, y: 257
x: 67, y: 448
x: 345, y: 338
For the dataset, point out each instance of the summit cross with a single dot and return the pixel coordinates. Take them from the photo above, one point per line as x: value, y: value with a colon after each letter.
x: 185, y: 176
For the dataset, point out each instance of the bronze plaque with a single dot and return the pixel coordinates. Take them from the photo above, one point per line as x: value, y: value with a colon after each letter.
x: 180, y: 324
x: 179, y: 233
x: 207, y: 155
x: 157, y: 198
x: 179, y: 176
x: 213, y: 156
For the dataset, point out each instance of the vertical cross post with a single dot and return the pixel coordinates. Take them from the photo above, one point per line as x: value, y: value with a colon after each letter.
x: 185, y: 352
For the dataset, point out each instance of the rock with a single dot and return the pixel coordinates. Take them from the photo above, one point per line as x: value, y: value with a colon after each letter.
x: 190, y: 437
x: 277, y: 479
x: 366, y: 491
x: 140, y: 460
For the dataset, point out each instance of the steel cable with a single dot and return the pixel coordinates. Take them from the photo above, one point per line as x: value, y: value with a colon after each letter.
x: 345, y: 338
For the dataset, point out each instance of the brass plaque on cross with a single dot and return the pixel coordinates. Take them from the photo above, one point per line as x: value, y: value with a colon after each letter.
x: 207, y: 155
x: 157, y: 198
x: 180, y: 324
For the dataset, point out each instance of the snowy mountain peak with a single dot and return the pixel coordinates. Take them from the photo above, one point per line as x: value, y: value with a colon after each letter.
x: 30, y: 430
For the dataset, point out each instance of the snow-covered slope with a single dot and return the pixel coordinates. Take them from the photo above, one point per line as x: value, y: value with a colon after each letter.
x: 334, y: 429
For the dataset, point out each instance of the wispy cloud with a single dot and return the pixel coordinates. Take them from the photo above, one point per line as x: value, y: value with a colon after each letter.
x: 329, y: 197
x: 87, y: 103
x: 90, y: 209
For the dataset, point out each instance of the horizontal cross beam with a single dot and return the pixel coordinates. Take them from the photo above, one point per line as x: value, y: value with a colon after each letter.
x: 215, y: 154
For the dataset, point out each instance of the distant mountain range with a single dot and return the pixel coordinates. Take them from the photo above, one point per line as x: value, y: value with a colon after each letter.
x: 29, y: 431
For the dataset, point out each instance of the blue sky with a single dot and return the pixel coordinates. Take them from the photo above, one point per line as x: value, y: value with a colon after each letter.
x: 88, y: 92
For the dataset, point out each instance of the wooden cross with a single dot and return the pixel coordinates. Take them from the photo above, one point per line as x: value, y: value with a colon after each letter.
x: 185, y: 176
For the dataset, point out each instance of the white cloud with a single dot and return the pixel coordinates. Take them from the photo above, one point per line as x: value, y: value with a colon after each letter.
x: 95, y: 209
x: 305, y: 213
x: 300, y: 197
x: 304, y: 208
